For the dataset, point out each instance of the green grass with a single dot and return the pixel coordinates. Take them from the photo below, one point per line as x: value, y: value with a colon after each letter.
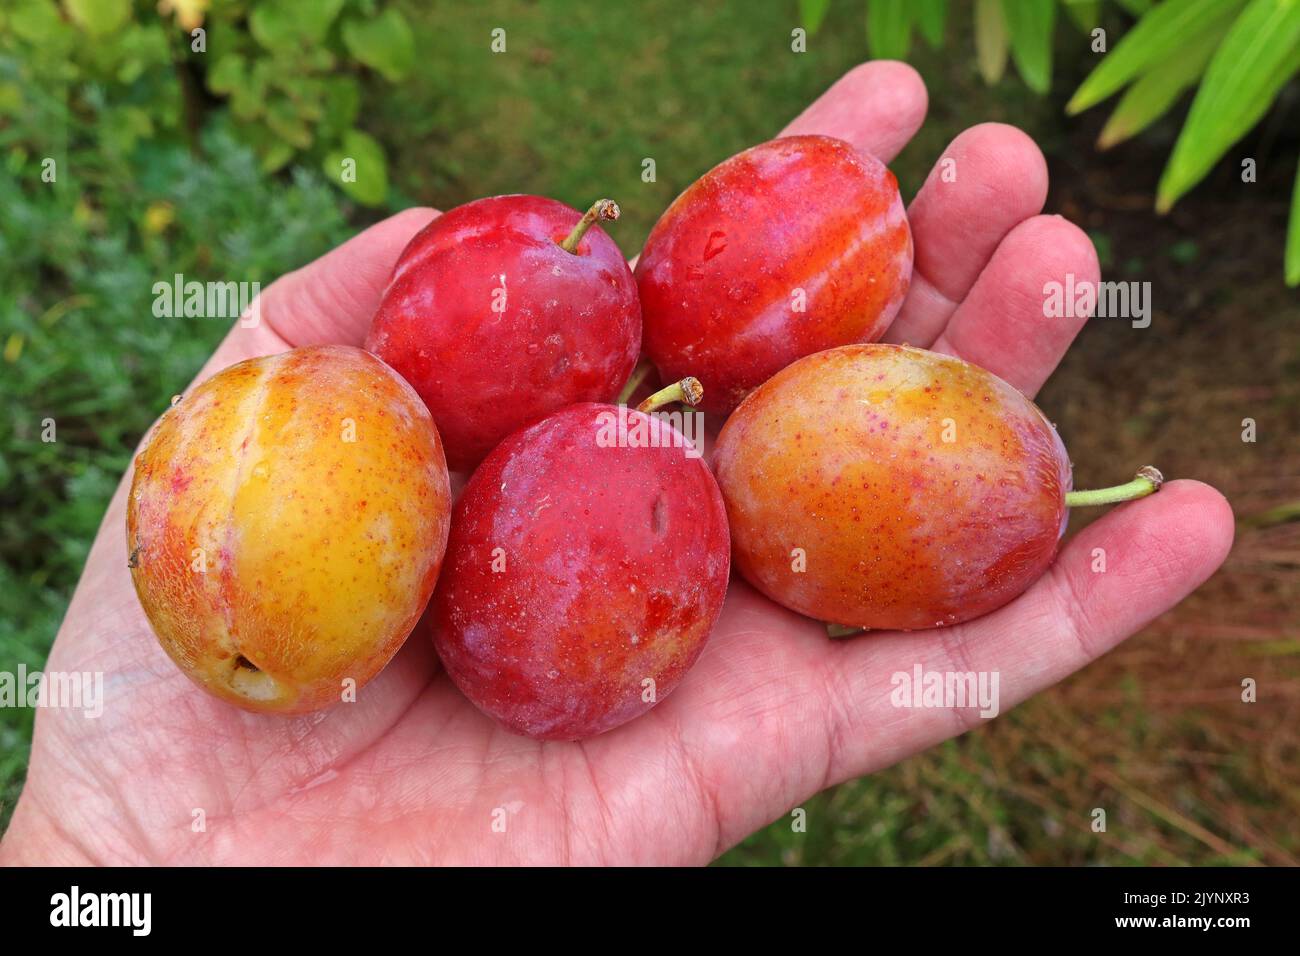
x: 581, y: 98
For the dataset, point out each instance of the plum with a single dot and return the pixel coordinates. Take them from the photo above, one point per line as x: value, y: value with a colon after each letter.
x: 882, y: 486
x: 286, y: 524
x: 791, y: 247
x: 587, y: 564
x: 505, y: 309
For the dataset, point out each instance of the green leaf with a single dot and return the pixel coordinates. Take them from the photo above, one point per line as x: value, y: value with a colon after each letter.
x: 1031, y: 24
x: 309, y: 98
x: 286, y: 121
x: 246, y: 86
x: 317, y: 16
x: 812, y: 13
x: 342, y: 105
x: 990, y: 40
x: 249, y: 100
x: 1086, y: 14
x: 889, y: 29
x: 359, y: 168
x: 275, y: 157
x: 1293, y: 236
x: 281, y: 25
x: 931, y: 17
x: 139, y: 47
x: 11, y: 98
x: 1158, y: 35
x: 35, y: 20
x: 1137, y: 8
x: 227, y: 74
x: 99, y: 17
x: 1159, y: 88
x: 274, y: 26
x: 121, y: 128
x: 1257, y: 57
x: 385, y: 44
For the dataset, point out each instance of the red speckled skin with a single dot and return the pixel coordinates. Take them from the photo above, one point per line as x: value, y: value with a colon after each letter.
x: 719, y: 272
x: 615, y: 569
x: 843, y: 454
x: 570, y: 331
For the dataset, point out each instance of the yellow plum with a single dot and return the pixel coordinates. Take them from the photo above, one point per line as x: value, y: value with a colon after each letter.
x: 286, y: 525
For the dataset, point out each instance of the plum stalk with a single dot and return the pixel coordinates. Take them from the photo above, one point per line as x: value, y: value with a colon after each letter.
x: 1146, y: 482
x: 634, y: 381
x: 688, y: 390
x: 605, y: 209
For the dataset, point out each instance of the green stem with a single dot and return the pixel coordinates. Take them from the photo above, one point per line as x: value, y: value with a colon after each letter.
x: 634, y: 381
x: 1146, y: 482
x: 605, y: 209
x: 842, y: 630
x: 688, y: 390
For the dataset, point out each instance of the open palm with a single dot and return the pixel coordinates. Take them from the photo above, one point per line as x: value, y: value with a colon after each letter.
x: 772, y: 712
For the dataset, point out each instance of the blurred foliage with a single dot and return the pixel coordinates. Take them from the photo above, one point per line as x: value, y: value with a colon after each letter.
x: 1238, y: 54
x: 90, y: 354
x: 83, y: 350
x: 290, y: 74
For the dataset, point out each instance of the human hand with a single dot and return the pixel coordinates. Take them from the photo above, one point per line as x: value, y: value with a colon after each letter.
x: 772, y: 712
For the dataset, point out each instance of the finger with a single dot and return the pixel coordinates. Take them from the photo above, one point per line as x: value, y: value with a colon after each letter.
x: 877, y: 106
x: 1003, y: 325
x: 1156, y: 551
x: 991, y: 178
x: 330, y: 300
x: 823, y: 711
x: 242, y: 342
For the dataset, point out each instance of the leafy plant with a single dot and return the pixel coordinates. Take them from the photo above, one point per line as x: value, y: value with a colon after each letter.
x: 290, y: 74
x: 1242, y: 53
x: 82, y: 347
x: 82, y: 343
x: 1237, y: 54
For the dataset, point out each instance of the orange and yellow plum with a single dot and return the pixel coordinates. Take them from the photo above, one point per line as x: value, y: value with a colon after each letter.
x: 286, y: 524
x: 882, y: 486
x: 794, y: 246
x: 584, y: 574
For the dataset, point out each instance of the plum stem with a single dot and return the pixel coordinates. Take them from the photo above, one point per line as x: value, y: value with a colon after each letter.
x: 605, y: 209
x: 634, y: 381
x: 1146, y: 482
x: 842, y: 630
x: 688, y: 390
